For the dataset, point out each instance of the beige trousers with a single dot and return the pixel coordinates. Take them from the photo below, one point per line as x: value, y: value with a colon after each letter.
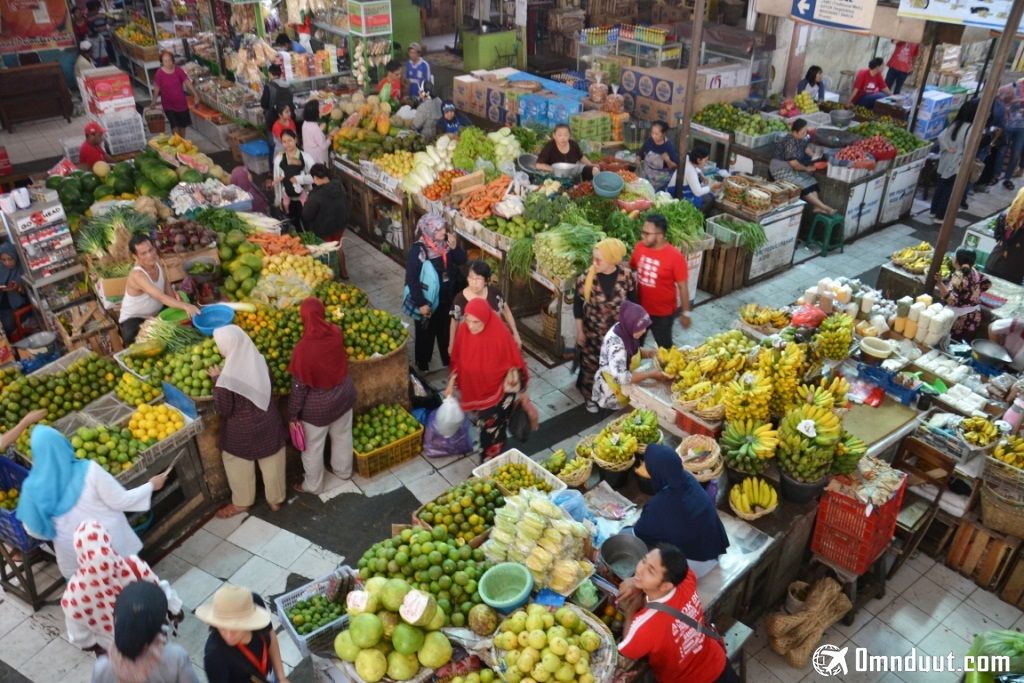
x: 241, y: 475
x: 340, y: 432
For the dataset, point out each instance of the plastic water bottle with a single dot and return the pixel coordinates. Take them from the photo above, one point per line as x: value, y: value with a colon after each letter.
x: 1014, y: 413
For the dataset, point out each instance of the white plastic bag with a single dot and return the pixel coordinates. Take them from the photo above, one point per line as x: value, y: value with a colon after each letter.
x: 449, y: 417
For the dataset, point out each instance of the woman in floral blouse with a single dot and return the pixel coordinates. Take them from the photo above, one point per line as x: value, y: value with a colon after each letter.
x: 621, y: 344
x: 962, y: 292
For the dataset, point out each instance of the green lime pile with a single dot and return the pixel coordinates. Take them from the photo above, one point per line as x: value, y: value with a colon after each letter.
x: 515, y: 476
x: 433, y: 563
x: 113, y: 449
x: 382, y: 425
x: 465, y: 511
x: 59, y: 393
x: 310, y: 614
x: 187, y: 369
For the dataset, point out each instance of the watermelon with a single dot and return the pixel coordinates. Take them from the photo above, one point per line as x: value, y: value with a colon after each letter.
x: 103, y: 191
x: 124, y: 169
x: 192, y: 176
x: 146, y: 188
x: 165, y: 179
x: 70, y: 195
x: 88, y: 182
x: 71, y: 182
x: 123, y: 184
x: 54, y: 182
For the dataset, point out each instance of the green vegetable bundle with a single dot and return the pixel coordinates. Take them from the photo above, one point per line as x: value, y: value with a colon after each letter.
x: 546, y: 210
x: 223, y: 221
x: 174, y: 336
x: 114, y: 269
x: 473, y: 144
x: 752, y: 235
x: 519, y: 259
x: 565, y: 250
x: 685, y: 223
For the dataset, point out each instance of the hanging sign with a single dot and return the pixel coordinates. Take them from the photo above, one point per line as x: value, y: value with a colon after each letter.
x: 848, y: 15
x: 990, y: 14
x: 29, y: 25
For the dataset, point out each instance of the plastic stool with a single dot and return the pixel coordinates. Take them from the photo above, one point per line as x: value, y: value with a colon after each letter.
x: 831, y: 237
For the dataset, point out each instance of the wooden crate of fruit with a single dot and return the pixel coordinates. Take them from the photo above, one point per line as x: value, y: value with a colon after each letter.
x: 419, y: 519
x: 514, y: 456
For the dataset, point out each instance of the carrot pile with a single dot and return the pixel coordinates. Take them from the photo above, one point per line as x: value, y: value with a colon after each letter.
x: 480, y: 201
x: 628, y: 176
x: 278, y: 244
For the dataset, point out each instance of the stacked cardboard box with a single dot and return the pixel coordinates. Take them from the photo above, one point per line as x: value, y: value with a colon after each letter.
x: 658, y: 93
x: 106, y: 90
x: 591, y: 125
x: 610, y: 12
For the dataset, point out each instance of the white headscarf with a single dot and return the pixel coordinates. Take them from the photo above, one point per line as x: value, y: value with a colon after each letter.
x: 245, y: 370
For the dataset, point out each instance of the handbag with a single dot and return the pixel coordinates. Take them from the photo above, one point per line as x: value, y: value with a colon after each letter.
x: 430, y: 283
x: 298, y: 434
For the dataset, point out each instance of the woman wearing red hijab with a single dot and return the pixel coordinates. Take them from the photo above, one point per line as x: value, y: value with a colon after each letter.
x: 322, y: 396
x: 488, y: 369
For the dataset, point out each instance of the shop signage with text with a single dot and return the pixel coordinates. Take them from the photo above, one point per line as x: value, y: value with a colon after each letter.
x: 849, y: 15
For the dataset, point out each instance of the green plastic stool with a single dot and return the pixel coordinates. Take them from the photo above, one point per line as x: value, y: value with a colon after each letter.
x: 831, y: 236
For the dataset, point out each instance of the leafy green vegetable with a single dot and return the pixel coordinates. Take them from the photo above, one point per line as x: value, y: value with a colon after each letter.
x: 597, y: 210
x: 473, y: 144
x: 519, y: 259
x: 223, y: 221
x: 114, y: 269
x: 565, y: 250
x: 752, y: 235
x: 685, y: 223
x: 623, y: 227
x: 544, y: 209
x: 309, y: 238
x: 529, y: 139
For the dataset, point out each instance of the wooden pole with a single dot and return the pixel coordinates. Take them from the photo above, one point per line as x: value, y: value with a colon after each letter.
x: 926, y: 67
x: 988, y: 94
x: 696, y: 40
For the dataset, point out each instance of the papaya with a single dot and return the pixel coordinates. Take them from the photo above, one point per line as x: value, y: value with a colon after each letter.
x: 147, y: 349
x: 383, y: 123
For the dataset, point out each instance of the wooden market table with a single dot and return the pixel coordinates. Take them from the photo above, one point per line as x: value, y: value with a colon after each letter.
x: 896, y: 283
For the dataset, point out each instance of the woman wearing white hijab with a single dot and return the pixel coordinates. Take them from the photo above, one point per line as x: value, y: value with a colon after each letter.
x: 251, y: 428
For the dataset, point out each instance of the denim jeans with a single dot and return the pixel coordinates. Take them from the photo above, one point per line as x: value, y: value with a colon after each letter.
x: 894, y: 78
x: 868, y: 101
x: 940, y: 199
x: 1014, y: 146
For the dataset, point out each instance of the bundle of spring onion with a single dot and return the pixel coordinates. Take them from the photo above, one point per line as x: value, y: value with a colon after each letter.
x: 261, y: 222
x: 113, y: 270
x: 519, y: 259
x: 174, y: 336
x: 565, y: 250
x: 752, y: 235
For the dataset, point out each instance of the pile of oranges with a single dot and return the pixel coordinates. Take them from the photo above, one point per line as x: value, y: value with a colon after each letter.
x: 150, y: 424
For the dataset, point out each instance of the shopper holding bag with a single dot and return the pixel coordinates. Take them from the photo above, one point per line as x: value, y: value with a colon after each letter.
x: 322, y: 397
x: 489, y: 371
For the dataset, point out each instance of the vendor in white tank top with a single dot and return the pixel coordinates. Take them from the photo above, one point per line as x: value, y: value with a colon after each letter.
x: 147, y: 290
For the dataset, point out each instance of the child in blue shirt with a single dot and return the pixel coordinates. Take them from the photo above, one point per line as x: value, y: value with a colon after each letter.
x: 417, y: 71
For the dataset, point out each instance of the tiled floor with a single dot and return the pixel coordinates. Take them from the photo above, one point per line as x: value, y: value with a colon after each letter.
x: 927, y: 606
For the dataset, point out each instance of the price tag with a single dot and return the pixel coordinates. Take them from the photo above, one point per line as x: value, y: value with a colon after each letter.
x: 806, y: 427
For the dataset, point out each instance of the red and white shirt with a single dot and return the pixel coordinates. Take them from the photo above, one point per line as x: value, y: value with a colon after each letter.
x: 903, y: 56
x: 676, y: 652
x: 657, y: 272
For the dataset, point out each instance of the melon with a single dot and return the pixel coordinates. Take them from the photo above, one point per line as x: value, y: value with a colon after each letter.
x: 101, y: 169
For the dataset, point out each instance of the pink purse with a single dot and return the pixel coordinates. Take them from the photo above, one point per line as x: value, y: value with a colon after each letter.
x: 298, y: 434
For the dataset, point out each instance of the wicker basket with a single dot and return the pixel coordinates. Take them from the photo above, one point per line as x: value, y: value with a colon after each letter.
x: 1000, y: 514
x: 615, y: 466
x: 705, y: 469
x: 713, y: 414
x: 580, y: 476
x: 754, y: 515
x: 588, y: 440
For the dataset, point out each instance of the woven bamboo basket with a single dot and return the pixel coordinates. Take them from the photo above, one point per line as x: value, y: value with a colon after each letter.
x: 705, y: 469
x: 754, y: 515
x: 713, y: 414
x: 1001, y: 514
x: 615, y: 466
x: 588, y: 440
x: 580, y: 476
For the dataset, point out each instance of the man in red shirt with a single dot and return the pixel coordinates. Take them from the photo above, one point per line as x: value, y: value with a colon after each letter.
x: 677, y: 650
x: 901, y: 64
x: 869, y: 85
x: 92, y: 150
x: 661, y: 280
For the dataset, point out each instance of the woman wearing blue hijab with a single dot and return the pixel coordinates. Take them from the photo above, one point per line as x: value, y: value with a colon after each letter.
x: 62, y: 490
x: 681, y: 512
x: 12, y: 295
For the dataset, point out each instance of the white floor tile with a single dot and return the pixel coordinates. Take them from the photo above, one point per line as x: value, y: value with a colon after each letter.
x: 907, y: 620
x: 968, y: 621
x: 385, y: 482
x: 759, y: 673
x: 780, y: 667
x: 429, y: 486
x: 23, y: 643
x: 12, y: 613
x: 197, y: 546
x: 989, y: 604
x: 222, y: 528
x: 195, y: 586
x: 171, y: 568
x: 460, y: 470
x: 879, y: 639
x: 944, y: 640
x: 55, y: 661
x: 844, y: 632
x: 335, y: 486
x: 283, y: 548
x: 192, y: 635
x: 81, y: 673
x: 256, y: 574
x: 253, y: 534
x: 316, y: 562
x: 948, y: 579
x: 928, y: 597
x: 412, y: 470
x: 224, y: 560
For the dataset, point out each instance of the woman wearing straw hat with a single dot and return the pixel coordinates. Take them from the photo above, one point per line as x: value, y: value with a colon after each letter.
x: 242, y: 647
x: 141, y: 651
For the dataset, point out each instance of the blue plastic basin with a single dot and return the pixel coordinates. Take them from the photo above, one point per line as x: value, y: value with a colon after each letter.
x: 608, y: 184
x: 211, y: 317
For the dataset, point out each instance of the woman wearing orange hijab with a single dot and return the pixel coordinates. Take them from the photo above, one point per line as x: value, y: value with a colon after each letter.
x: 489, y: 371
x: 322, y: 396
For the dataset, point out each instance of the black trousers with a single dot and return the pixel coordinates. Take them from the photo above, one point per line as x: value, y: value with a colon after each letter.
x: 661, y: 328
x: 429, y: 331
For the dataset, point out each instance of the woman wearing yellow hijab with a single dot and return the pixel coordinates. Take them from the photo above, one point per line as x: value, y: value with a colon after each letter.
x: 599, y: 294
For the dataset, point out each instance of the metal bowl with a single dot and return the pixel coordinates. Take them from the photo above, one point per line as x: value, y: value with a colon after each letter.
x: 841, y: 117
x: 527, y: 162
x: 989, y: 353
x: 566, y: 170
x: 833, y: 138
x: 622, y: 552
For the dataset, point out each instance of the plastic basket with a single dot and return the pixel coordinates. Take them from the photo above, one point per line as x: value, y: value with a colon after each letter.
x: 846, y: 174
x: 514, y: 455
x: 380, y: 459
x: 256, y: 156
x: 12, y: 532
x: 952, y: 445
x: 499, y: 577
x: 851, y: 535
x: 323, y: 637
x: 71, y: 147
x: 726, y: 237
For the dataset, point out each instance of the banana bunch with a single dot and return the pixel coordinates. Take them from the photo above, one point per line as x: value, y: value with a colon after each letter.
x: 557, y: 462
x: 675, y: 360
x: 835, y: 334
x: 916, y: 259
x: 712, y: 399
x: 571, y: 467
x: 815, y: 396
x: 978, y: 431
x: 838, y: 387
x: 783, y: 370
x: 753, y: 495
x: 748, y: 445
x: 849, y: 451
x: 1011, y: 451
x: 615, y: 447
x: 641, y: 423
x: 697, y: 391
x: 764, y: 316
x: 748, y: 398
x: 807, y: 442
x: 728, y: 367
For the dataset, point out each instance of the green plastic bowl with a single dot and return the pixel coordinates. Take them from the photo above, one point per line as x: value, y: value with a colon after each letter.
x: 506, y: 586
x: 173, y: 315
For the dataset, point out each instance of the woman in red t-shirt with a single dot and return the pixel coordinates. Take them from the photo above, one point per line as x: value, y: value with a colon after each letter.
x: 285, y: 121
x: 901, y: 64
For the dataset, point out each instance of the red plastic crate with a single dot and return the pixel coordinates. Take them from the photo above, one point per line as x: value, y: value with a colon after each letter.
x: 847, y: 537
x: 691, y: 424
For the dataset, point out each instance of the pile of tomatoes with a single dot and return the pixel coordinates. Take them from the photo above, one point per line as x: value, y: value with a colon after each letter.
x: 443, y: 185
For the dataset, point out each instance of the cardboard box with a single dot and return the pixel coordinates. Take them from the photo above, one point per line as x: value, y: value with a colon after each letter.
x: 728, y: 75
x: 462, y: 90
x: 669, y: 14
x: 112, y: 287
x: 649, y: 109
x: 661, y: 84
x: 934, y: 105
x: 929, y: 129
x: 108, y: 83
